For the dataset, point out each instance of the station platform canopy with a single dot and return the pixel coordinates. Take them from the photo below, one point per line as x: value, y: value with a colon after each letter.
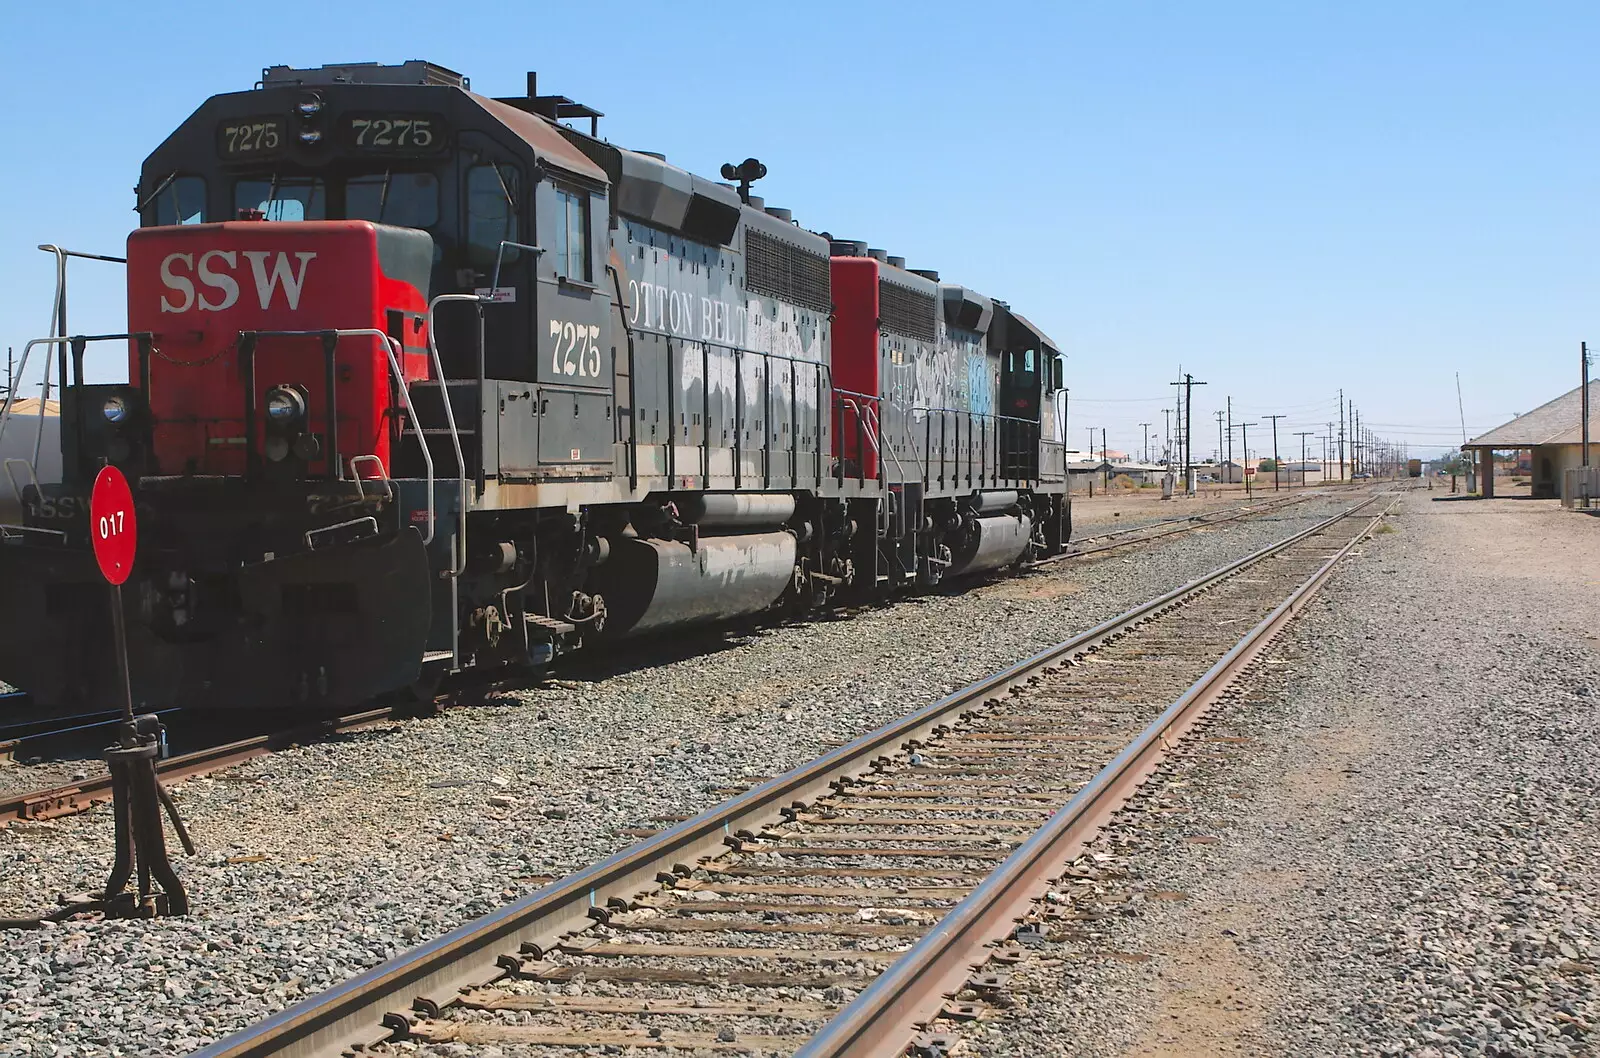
x: 1553, y: 423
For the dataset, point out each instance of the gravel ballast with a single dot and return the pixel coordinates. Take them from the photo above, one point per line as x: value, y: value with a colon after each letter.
x: 1401, y: 859
x: 319, y: 862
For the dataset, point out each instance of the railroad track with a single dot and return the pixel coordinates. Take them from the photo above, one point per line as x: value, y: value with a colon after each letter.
x: 836, y: 909
x: 1091, y: 545
x: 80, y: 795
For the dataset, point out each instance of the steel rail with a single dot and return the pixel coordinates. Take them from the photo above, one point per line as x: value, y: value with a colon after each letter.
x: 910, y: 993
x: 1240, y: 508
x: 380, y: 1004
x: 79, y: 796
x: 1184, y: 524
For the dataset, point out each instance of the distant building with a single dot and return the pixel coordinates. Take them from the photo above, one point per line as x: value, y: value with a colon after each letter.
x: 1551, y: 434
x: 1139, y: 473
x: 1230, y: 472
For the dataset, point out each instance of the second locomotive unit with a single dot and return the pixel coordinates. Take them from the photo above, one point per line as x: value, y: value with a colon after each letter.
x: 421, y: 380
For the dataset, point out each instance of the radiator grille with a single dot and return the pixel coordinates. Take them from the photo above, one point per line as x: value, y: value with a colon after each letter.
x: 781, y: 270
x: 905, y: 311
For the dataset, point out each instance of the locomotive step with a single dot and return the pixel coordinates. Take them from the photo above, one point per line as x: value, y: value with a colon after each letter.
x: 548, y: 623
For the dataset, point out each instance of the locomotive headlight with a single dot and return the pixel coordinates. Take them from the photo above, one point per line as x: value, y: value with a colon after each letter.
x: 308, y: 107
x: 115, y: 409
x: 309, y: 135
x: 285, y: 406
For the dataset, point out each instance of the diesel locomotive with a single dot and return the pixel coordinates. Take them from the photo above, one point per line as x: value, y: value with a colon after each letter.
x: 422, y: 381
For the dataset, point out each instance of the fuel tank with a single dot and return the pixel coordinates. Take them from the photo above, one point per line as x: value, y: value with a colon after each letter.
x: 991, y: 543
x: 650, y: 585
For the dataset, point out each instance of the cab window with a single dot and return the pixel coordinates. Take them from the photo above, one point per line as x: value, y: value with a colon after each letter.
x: 571, y: 251
x: 408, y: 200
x: 287, y: 198
x: 492, y: 196
x: 182, y: 201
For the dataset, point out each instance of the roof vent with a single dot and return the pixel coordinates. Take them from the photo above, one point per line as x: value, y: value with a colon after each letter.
x: 756, y: 202
x: 787, y: 216
x: 926, y: 273
x: 897, y: 262
x: 878, y: 255
x: 847, y: 248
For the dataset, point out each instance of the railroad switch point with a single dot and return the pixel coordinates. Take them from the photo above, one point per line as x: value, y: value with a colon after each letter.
x: 138, y: 799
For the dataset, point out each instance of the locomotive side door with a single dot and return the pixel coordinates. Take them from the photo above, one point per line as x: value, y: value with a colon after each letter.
x: 497, y: 213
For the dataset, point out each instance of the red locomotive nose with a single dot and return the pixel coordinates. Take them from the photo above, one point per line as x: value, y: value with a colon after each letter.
x: 201, y: 286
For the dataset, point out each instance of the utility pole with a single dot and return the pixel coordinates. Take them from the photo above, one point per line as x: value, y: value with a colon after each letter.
x: 1583, y: 349
x: 1355, y: 441
x: 1146, y: 441
x: 1230, y: 436
x: 1188, y: 383
x: 1303, y: 434
x: 1219, y: 442
x: 1244, y: 454
x: 1275, y: 419
x: 1341, y: 435
x: 1166, y: 439
x: 1103, y: 458
x: 11, y: 372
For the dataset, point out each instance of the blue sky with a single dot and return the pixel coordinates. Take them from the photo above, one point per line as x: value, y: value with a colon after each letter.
x: 1284, y: 198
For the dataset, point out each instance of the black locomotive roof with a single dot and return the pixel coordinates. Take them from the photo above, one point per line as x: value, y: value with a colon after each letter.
x: 366, y: 87
x: 1020, y: 333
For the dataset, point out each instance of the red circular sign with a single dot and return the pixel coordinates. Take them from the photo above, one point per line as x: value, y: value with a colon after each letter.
x: 111, y: 524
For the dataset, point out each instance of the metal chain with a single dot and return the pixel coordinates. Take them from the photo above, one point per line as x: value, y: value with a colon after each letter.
x: 155, y: 350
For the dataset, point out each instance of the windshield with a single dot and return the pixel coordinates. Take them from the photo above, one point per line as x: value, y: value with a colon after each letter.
x: 409, y: 200
x: 283, y: 197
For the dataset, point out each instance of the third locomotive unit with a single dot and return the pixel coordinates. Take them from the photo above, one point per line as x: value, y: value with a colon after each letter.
x: 421, y: 381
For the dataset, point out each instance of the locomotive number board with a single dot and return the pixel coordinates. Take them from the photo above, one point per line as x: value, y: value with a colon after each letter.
x: 250, y: 137
x: 394, y: 133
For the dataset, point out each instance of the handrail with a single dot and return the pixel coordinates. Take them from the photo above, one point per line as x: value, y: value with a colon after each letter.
x: 371, y: 457
x: 873, y: 441
x: 6, y: 528
x: 922, y: 468
x: 32, y: 473
x: 494, y: 284
x: 58, y: 323
x: 325, y: 529
x: 877, y: 424
x: 391, y: 347
x: 11, y: 394
x: 458, y: 564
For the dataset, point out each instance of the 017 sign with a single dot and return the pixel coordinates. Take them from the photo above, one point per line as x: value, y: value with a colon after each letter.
x: 112, y: 526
